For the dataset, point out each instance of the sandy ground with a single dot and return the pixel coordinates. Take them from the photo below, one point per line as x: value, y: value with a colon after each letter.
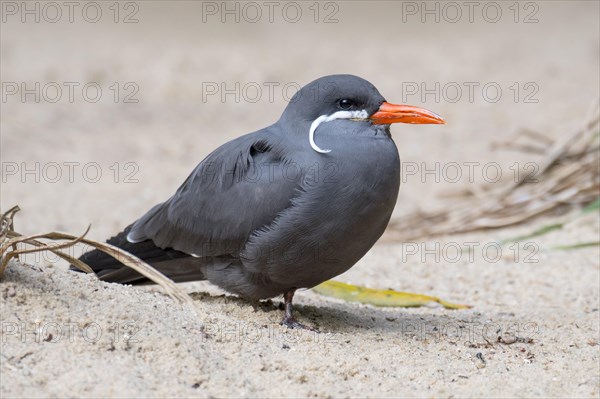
x: 68, y: 335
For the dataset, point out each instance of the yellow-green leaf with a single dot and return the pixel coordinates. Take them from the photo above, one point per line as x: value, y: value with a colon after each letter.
x: 353, y: 293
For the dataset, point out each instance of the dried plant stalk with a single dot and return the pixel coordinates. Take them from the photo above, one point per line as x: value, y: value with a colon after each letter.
x: 9, y: 239
x: 569, y: 174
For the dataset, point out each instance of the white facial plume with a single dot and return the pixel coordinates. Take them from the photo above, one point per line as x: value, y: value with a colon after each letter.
x: 362, y: 114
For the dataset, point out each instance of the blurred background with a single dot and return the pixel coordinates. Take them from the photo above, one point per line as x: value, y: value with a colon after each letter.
x: 106, y: 107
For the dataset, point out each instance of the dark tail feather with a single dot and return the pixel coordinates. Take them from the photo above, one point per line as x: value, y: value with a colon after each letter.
x: 177, y: 265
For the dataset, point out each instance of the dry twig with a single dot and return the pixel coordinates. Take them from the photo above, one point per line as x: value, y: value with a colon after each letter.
x: 9, y: 239
x: 568, y: 175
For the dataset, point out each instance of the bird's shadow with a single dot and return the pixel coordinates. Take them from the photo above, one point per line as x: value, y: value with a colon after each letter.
x: 333, y: 317
x: 342, y: 317
x: 329, y: 316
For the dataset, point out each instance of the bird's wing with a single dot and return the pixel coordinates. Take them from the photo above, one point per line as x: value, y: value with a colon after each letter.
x: 238, y: 188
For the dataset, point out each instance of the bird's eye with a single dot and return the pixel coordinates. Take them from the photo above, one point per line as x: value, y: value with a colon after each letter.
x: 345, y: 103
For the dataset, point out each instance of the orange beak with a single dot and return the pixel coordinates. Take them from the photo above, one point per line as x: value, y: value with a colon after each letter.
x: 392, y: 113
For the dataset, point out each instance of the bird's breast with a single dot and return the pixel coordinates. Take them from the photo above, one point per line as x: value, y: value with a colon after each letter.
x: 341, y: 208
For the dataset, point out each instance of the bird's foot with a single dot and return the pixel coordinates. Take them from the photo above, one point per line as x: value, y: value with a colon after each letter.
x: 288, y: 319
x: 290, y: 322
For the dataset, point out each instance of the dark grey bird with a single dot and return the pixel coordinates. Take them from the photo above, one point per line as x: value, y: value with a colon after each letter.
x: 286, y: 207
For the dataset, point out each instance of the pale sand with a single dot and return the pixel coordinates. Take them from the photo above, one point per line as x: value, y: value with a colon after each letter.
x: 148, y: 346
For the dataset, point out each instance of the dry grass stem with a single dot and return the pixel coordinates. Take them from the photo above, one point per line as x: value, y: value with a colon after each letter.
x: 8, y: 250
x: 568, y: 175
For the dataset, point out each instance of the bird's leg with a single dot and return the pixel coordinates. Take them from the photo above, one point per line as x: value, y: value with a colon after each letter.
x: 288, y: 318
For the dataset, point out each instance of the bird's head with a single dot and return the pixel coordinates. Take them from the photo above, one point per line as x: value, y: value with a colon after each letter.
x: 352, y: 98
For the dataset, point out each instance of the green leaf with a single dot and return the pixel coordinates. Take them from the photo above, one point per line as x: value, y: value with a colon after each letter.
x: 594, y: 206
x: 578, y: 245
x: 370, y: 296
x: 541, y: 231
